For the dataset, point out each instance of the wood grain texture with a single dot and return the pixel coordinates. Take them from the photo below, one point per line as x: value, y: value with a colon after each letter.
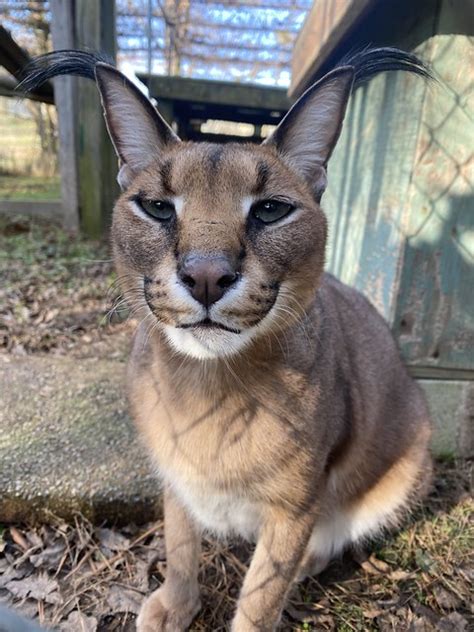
x: 326, y: 25
x: 97, y: 163
x: 401, y: 192
x: 65, y: 94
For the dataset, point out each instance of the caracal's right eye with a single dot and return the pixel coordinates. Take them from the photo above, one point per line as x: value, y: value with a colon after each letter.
x: 162, y: 210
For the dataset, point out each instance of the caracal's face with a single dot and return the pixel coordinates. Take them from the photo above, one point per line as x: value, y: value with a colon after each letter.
x: 218, y: 245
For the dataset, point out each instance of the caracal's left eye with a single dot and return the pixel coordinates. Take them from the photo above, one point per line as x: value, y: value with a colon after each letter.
x: 158, y: 209
x: 269, y: 211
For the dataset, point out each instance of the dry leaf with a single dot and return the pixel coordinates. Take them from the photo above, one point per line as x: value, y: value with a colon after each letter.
x: 374, y: 566
x: 389, y: 622
x: 142, y: 576
x: 445, y: 598
x: 420, y: 624
x: 9, y: 574
x: 78, y: 622
x: 401, y: 575
x: 5, y: 597
x: 41, y: 588
x: 371, y: 614
x: 454, y: 622
x: 124, y: 600
x: 50, y: 557
x: 19, y: 539
x: 112, y: 540
x: 34, y: 539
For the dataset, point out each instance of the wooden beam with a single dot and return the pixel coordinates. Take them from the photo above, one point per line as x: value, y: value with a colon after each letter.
x: 221, y: 138
x: 9, y: 88
x: 325, y: 27
x: 87, y: 160
x: 224, y: 93
x: 255, y: 116
x: 13, y: 58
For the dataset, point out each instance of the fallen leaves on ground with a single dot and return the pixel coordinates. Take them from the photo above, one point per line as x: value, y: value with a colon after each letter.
x: 93, y: 579
x: 58, y: 294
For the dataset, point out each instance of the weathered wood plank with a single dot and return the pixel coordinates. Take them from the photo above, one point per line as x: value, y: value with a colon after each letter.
x: 65, y: 92
x: 97, y: 163
x: 326, y: 25
x: 14, y: 59
x: 434, y: 317
x: 216, y: 92
x: 452, y: 409
x: 401, y: 192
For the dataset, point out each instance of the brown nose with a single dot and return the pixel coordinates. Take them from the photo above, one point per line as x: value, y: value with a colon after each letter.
x: 207, y: 277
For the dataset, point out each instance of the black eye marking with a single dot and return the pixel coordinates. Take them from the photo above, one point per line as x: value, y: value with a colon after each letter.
x: 271, y: 211
x: 165, y: 172
x: 215, y: 156
x: 274, y: 285
x: 262, y: 177
x: 162, y: 210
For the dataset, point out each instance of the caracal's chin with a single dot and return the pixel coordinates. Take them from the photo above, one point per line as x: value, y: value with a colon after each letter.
x: 206, y: 344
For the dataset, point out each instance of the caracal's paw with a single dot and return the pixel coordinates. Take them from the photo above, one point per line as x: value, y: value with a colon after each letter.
x: 156, y: 617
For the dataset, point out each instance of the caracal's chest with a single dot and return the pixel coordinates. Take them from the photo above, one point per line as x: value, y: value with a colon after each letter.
x: 222, y: 459
x: 224, y: 513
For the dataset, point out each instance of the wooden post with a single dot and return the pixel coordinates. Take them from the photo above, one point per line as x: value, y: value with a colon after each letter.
x: 87, y: 159
x: 97, y: 163
x: 62, y: 31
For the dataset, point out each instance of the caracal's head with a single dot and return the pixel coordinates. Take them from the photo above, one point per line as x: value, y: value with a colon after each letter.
x: 223, y: 243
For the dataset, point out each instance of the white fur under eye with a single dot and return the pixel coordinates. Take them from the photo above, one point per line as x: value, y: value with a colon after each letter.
x: 178, y: 202
x: 246, y: 204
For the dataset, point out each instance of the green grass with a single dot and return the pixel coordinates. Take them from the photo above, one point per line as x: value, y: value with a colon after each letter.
x: 37, y: 248
x: 29, y: 188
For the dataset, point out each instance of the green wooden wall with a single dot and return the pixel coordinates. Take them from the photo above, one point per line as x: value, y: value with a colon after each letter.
x: 401, y: 196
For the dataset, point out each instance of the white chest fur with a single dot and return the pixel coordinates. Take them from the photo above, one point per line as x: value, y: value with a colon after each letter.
x: 222, y: 513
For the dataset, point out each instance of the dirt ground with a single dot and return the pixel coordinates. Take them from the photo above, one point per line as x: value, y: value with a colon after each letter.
x: 57, y: 296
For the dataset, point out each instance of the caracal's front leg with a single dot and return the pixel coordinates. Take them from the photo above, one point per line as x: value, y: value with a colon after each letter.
x: 174, y: 605
x: 280, y: 548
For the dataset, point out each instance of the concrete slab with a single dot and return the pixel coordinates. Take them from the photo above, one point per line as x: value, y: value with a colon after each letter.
x: 67, y: 443
x: 451, y: 404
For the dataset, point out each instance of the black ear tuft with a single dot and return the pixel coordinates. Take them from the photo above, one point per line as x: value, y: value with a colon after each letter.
x: 60, y: 62
x: 138, y: 132
x: 371, y: 61
x: 307, y: 135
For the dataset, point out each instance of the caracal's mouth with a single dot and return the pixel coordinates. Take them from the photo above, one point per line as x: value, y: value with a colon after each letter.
x: 209, y: 324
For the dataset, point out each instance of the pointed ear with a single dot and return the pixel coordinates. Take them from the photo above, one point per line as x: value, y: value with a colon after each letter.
x: 308, y: 133
x: 137, y: 130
